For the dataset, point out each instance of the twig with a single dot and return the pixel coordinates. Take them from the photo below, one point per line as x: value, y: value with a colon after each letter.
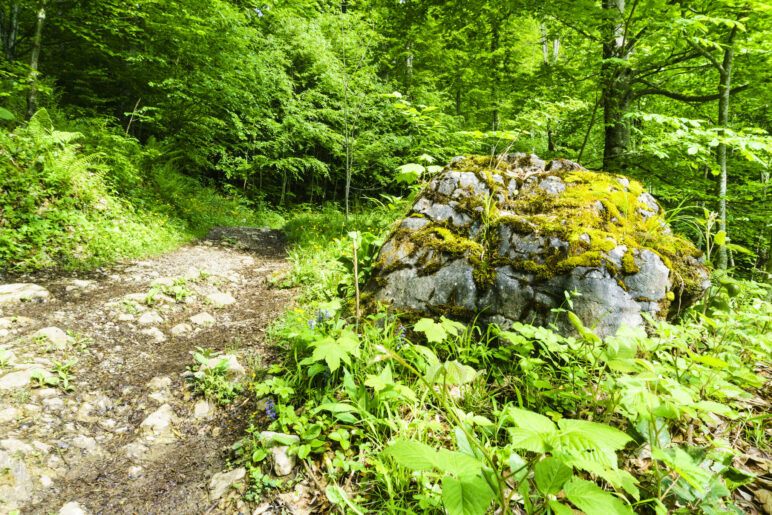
x: 356, y: 279
x: 131, y: 119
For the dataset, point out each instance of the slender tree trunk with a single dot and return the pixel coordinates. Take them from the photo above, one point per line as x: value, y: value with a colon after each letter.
x: 616, y: 94
x: 32, y: 95
x: 723, y: 123
x: 458, y: 102
x: 9, y: 31
x: 494, y: 79
x: 345, y: 109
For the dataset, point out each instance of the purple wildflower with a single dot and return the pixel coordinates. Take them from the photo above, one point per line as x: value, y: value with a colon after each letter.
x: 270, y: 409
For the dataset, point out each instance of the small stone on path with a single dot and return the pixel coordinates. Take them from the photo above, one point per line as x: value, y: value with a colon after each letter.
x: 222, y: 481
x: 54, y: 335
x: 203, y: 409
x: 234, y: 372
x: 20, y: 292
x: 181, y: 329
x: 155, y: 334
x: 220, y: 299
x: 18, y: 379
x: 72, y: 508
x: 159, y: 423
x: 150, y: 318
x: 8, y: 415
x: 202, y: 319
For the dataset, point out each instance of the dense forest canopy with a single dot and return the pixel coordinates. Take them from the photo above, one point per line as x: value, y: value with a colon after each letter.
x: 305, y: 101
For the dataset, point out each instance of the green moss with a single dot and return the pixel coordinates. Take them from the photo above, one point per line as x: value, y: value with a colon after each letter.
x: 594, y: 214
x: 628, y: 263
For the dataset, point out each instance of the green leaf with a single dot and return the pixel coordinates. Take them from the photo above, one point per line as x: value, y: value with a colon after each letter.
x: 466, y: 496
x: 530, y: 420
x: 434, y: 332
x: 560, y: 508
x: 591, y: 499
x: 5, y: 114
x: 518, y: 466
x: 413, y: 455
x: 720, y: 238
x: 550, y: 474
x: 692, y: 150
x: 334, y: 351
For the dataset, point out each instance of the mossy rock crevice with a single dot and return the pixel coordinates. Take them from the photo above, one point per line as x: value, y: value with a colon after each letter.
x: 505, y: 236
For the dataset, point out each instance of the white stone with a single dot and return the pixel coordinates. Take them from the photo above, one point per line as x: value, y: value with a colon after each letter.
x: 17, y: 485
x: 53, y: 404
x: 234, y: 372
x: 181, y: 329
x: 202, y: 319
x: 203, y: 409
x: 86, y: 443
x: 220, y: 299
x: 20, y: 292
x: 150, y: 318
x: 72, y: 508
x: 46, y: 481
x: 283, y: 463
x: 222, y: 481
x: 54, y: 335
x: 159, y: 383
x: 126, y: 317
x: 18, y: 379
x: 155, y: 334
x: 159, y: 423
x: 135, y: 471
x: 15, y: 446
x: 8, y: 414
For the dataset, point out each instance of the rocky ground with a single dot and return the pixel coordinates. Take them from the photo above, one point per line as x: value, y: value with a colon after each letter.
x: 96, y: 414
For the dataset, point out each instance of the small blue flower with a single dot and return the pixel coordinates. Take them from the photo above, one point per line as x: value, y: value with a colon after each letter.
x: 270, y: 409
x: 401, y: 340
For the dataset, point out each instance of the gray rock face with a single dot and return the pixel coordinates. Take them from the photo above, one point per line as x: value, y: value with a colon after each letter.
x: 505, y: 237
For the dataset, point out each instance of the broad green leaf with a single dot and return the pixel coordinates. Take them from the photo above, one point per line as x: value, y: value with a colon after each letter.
x: 434, y: 332
x: 518, y: 466
x: 413, y: 455
x: 457, y: 463
x: 5, y: 114
x: 560, y: 509
x: 530, y: 420
x: 591, y: 499
x: 550, y: 474
x: 720, y: 238
x: 466, y: 496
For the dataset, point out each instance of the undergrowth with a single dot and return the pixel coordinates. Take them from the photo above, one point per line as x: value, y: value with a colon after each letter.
x: 81, y: 197
x: 439, y: 417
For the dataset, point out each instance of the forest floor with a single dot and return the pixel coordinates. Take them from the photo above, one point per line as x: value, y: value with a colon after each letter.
x: 120, y: 430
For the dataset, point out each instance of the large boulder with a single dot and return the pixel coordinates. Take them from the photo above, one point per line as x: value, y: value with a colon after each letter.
x: 502, y: 238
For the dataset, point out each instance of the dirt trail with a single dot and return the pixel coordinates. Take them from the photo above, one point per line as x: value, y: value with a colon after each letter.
x: 131, y: 437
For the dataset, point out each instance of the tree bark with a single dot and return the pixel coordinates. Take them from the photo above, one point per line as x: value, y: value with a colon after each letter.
x: 724, y: 90
x: 32, y: 95
x: 9, y: 31
x: 616, y: 94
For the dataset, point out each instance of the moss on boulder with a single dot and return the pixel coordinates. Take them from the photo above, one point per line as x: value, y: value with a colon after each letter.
x: 505, y: 236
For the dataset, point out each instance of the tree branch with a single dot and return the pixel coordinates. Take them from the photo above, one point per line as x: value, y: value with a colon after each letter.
x: 653, y: 90
x: 580, y: 31
x: 707, y: 55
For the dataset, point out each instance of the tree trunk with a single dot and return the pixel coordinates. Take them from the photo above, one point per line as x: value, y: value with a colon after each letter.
x: 723, y: 123
x: 32, y: 95
x: 616, y: 94
x: 458, y: 102
x: 494, y: 79
x: 9, y: 31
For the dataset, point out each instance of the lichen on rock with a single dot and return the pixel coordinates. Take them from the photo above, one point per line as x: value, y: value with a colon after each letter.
x: 504, y: 236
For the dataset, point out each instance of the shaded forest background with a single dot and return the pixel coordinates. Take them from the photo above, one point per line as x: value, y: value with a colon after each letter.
x: 276, y: 104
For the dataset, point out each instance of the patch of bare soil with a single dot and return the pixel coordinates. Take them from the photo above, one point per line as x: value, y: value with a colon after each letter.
x: 130, y: 436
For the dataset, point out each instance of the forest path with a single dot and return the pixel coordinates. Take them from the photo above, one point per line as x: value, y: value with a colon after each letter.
x: 131, y: 436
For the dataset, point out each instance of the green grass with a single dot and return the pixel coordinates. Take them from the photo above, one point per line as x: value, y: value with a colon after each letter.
x: 77, y: 200
x: 437, y: 417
